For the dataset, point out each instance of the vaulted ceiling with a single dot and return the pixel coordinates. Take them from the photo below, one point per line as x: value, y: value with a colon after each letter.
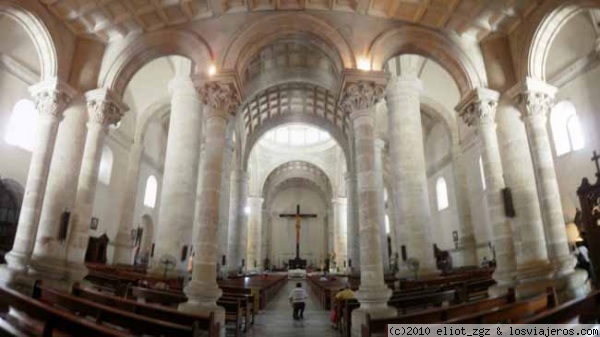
x: 109, y: 19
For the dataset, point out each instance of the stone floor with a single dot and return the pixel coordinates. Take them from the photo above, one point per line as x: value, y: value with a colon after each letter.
x: 276, y: 320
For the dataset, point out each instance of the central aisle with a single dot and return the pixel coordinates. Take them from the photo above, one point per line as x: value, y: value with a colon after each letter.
x: 276, y: 320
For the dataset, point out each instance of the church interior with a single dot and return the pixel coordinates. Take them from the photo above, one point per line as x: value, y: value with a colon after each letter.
x: 177, y: 167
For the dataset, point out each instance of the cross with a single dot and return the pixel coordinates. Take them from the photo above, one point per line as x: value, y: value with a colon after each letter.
x: 596, y: 159
x: 298, y: 216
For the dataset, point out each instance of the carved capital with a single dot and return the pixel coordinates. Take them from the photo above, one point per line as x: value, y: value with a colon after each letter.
x: 360, y: 96
x: 479, y: 107
x: 534, y: 98
x: 104, y: 107
x: 220, y: 97
x: 51, y: 97
x: 534, y: 103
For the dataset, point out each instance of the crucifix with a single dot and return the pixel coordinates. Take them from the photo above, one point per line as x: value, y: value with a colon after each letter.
x: 298, y: 216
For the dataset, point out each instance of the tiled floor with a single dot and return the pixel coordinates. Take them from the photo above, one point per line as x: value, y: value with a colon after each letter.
x: 276, y: 320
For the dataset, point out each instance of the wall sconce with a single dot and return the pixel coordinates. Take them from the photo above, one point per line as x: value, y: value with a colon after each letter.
x: 212, y: 70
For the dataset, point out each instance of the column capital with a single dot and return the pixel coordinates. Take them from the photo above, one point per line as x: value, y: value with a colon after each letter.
x: 104, y: 107
x: 479, y: 107
x: 360, y: 90
x: 533, y: 97
x: 404, y: 84
x: 350, y: 176
x: 52, y: 97
x: 222, y: 93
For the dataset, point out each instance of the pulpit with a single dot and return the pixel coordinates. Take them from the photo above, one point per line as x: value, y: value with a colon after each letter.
x: 96, y: 250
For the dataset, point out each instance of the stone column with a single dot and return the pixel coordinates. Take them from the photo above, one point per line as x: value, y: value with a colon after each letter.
x: 264, y: 230
x: 379, y: 147
x: 535, y: 102
x: 123, y: 243
x: 104, y: 109
x: 533, y: 267
x: 49, y: 251
x: 353, y: 240
x: 467, y: 238
x: 224, y: 203
x: 203, y: 291
x: 236, y: 238
x: 358, y: 99
x: 407, y: 159
x: 254, y: 242
x: 178, y: 193
x: 340, y: 230
x: 51, y: 98
x: 478, y: 109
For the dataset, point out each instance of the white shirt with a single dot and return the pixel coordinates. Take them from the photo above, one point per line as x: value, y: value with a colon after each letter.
x: 298, y: 295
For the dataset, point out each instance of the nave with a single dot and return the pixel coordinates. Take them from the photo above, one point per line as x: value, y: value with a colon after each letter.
x: 276, y: 319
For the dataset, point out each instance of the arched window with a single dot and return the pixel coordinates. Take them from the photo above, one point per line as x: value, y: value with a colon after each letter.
x: 22, y: 125
x: 106, y: 165
x: 151, y: 191
x: 566, y: 129
x: 387, y: 224
x: 442, y: 193
x: 482, y: 173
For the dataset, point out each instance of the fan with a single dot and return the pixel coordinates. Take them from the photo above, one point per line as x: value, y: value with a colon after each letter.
x: 168, y: 262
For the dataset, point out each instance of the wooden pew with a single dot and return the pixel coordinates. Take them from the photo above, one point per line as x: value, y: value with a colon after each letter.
x: 423, y: 301
x: 49, y: 320
x: 510, y: 313
x: 205, y: 323
x: 104, y: 314
x: 346, y: 316
x: 378, y: 326
x: 233, y: 308
x: 585, y: 310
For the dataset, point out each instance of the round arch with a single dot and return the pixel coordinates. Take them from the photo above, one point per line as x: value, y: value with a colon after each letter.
x: 296, y: 169
x: 155, y: 111
x: 430, y: 44
x: 540, y: 30
x: 256, y: 36
x: 55, y: 58
x: 122, y: 62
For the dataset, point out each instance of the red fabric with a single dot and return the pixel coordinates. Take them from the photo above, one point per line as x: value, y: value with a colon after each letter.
x: 333, y: 316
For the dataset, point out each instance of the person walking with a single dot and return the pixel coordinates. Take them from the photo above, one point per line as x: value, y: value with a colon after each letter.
x: 297, y: 298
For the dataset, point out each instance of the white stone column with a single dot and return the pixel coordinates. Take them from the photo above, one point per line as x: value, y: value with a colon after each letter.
x: 467, y: 237
x: 236, y: 238
x: 123, y: 242
x: 353, y: 240
x: 533, y: 267
x: 203, y: 291
x: 478, y: 109
x: 51, y: 98
x: 407, y: 158
x: 535, y: 102
x: 104, y: 109
x: 224, y: 203
x: 379, y: 147
x: 358, y: 99
x: 178, y: 192
x: 49, y: 251
x: 253, y: 251
x: 340, y: 230
x: 264, y: 230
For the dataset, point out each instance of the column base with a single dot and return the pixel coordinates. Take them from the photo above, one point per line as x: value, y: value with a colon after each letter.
x: 373, y: 301
x: 123, y: 254
x: 567, y: 287
x: 563, y: 265
x: 498, y: 290
x: 16, y: 279
x: 17, y: 261
x: 199, y: 308
x: 53, y: 273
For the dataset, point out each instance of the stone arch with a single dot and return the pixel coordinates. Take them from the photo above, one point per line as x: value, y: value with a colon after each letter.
x: 54, y: 58
x: 430, y: 44
x: 299, y: 169
x: 540, y: 30
x: 254, y: 37
x: 438, y: 112
x: 124, y: 60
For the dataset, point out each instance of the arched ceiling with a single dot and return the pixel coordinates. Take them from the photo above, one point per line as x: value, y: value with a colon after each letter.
x: 297, y: 174
x: 107, y: 20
